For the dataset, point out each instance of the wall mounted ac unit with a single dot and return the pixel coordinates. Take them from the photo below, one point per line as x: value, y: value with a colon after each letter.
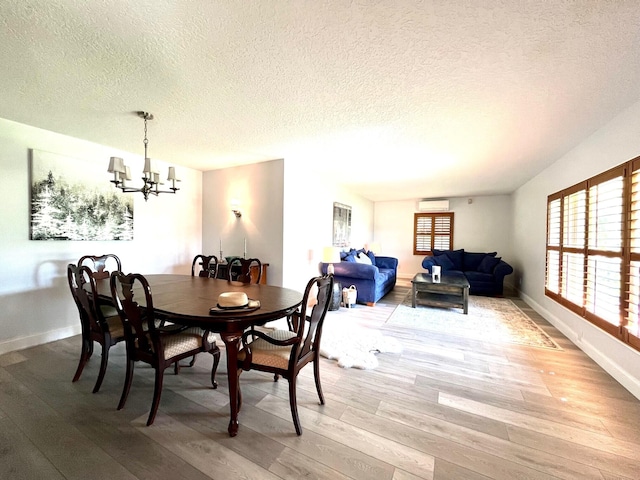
x: 433, y: 206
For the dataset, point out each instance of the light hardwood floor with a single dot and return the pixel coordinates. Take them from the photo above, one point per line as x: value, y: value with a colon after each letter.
x: 445, y: 408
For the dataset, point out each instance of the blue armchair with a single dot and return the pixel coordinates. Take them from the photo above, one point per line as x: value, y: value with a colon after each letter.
x: 371, y: 281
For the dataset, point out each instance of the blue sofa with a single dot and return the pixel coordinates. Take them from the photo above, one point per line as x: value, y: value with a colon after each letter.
x: 484, y: 271
x: 372, y: 281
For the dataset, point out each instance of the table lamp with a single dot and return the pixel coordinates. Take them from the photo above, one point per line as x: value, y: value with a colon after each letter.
x: 330, y: 255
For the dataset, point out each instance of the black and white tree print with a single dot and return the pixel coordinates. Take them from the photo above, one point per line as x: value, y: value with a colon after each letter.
x: 64, y: 211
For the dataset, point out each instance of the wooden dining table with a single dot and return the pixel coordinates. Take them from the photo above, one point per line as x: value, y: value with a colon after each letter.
x: 187, y: 300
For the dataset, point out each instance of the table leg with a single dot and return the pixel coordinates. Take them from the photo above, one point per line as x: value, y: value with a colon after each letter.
x: 231, y: 341
x: 465, y: 299
x: 414, y: 294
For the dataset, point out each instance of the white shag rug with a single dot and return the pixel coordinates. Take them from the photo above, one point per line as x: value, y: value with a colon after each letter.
x: 354, y: 346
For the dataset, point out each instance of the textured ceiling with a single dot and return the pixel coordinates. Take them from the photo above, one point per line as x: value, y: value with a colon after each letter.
x: 383, y: 93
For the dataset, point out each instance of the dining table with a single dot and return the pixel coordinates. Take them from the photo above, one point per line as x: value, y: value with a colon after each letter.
x: 192, y: 301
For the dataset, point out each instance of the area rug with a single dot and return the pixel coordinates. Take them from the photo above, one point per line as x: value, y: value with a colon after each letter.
x: 494, y: 320
x: 354, y: 346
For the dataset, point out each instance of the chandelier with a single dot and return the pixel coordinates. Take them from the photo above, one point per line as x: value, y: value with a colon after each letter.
x: 150, y: 177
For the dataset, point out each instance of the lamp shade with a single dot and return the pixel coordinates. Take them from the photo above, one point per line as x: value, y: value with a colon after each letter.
x: 374, y: 247
x: 116, y: 164
x: 147, y: 166
x: 330, y: 255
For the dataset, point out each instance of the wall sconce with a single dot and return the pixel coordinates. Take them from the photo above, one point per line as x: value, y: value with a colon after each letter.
x: 235, y: 208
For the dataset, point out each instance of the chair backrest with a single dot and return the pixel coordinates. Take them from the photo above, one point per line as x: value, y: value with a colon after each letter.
x: 83, y: 289
x: 100, y: 264
x: 315, y: 303
x: 131, y: 294
x: 244, y: 274
x: 204, y: 266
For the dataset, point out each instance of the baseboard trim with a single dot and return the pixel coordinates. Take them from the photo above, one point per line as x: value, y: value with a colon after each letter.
x: 21, y: 343
x: 613, y: 368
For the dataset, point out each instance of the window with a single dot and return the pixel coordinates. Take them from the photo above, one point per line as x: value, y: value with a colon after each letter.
x: 593, y: 250
x: 432, y: 231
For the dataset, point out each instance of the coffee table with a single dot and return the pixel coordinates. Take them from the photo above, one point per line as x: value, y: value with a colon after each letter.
x: 450, y: 291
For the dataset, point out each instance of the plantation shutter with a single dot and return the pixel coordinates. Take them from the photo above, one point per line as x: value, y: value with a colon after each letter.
x: 442, y: 233
x: 552, y: 276
x: 423, y: 237
x: 604, y: 258
x: 574, y: 245
x: 432, y: 231
x: 633, y: 273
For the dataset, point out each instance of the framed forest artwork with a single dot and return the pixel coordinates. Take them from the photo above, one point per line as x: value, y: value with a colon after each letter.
x: 72, y: 199
x: 341, y: 225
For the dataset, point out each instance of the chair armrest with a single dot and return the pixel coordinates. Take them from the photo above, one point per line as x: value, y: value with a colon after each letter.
x: 387, y: 262
x: 502, y: 269
x: 428, y: 263
x: 267, y: 338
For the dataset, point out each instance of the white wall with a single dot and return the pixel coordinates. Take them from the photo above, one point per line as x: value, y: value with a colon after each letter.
x: 259, y: 190
x: 35, y: 302
x: 308, y: 219
x: 484, y: 225
x: 612, y: 145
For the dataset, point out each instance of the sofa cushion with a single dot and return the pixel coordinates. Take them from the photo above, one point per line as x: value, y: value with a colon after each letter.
x: 456, y: 256
x: 472, y: 260
x: 444, y: 261
x: 488, y: 263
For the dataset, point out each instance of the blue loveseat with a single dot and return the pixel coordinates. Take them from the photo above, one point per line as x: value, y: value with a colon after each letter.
x: 484, y: 271
x: 372, y: 281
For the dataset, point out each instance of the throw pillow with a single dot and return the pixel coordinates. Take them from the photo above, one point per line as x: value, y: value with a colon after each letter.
x: 371, y: 255
x: 488, y: 263
x: 472, y: 260
x: 444, y: 261
x: 363, y: 258
x: 456, y: 256
x: 349, y: 258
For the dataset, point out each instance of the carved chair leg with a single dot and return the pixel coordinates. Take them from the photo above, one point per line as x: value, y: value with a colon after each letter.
x: 103, y: 365
x: 127, y: 383
x: 216, y: 360
x: 294, y: 405
x: 239, y: 391
x: 157, y: 391
x: 316, y: 375
x: 85, y: 354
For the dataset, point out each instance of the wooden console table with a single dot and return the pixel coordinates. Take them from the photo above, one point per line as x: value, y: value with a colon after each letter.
x: 223, y: 272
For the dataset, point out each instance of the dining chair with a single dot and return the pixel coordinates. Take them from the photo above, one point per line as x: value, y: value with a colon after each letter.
x: 243, y: 274
x: 204, y: 266
x: 96, y: 327
x: 101, y: 267
x: 151, y: 341
x: 285, y: 352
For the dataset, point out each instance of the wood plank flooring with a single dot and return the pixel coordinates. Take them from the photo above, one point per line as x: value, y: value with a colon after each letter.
x: 445, y: 408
